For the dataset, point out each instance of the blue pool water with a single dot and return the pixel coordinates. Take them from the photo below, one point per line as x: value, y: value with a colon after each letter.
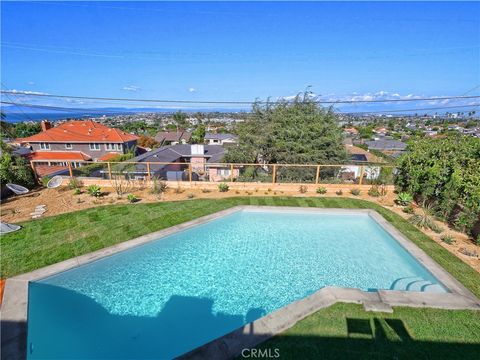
x: 169, y: 296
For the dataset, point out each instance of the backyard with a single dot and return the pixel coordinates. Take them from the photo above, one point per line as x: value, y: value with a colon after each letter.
x: 341, y: 329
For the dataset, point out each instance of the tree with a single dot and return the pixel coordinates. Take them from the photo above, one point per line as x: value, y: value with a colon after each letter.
x: 24, y: 129
x: 14, y: 169
x: 444, y: 172
x: 198, y: 135
x: 180, y: 119
x: 199, y: 116
x: 366, y: 132
x: 148, y: 142
x: 289, y: 132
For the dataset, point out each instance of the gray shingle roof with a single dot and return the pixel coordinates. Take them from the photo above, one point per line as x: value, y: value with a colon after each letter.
x: 211, y: 136
x: 386, y: 145
x: 213, y: 153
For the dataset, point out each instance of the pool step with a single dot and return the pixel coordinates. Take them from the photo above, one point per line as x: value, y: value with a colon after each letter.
x: 415, y: 284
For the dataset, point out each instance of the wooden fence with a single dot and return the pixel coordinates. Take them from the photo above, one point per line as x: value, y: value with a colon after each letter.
x: 204, y: 172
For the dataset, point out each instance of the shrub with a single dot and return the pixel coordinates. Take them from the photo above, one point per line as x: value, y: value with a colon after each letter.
x: 477, y: 240
x: 132, y: 198
x: 321, y: 190
x: 408, y: 209
x: 94, y: 190
x: 448, y: 239
x: 383, y: 190
x: 75, y: 184
x: 445, y: 170
x: 424, y: 219
x: 190, y: 196
x: 339, y: 192
x: 355, y: 192
x: 374, y: 191
x: 404, y: 199
x: 121, y: 184
x: 205, y: 191
x: 467, y: 252
x: 178, y: 190
x: 159, y: 187
x: 45, y: 180
x: 223, y: 187
x: 77, y: 191
x: 303, y: 189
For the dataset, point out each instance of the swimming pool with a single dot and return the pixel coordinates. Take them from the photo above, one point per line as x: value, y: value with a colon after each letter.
x: 167, y: 297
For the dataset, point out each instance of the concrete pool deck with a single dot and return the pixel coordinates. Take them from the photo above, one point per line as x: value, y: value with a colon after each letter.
x: 15, y: 302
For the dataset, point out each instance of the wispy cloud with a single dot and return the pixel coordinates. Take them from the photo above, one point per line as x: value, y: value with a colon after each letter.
x: 131, y: 88
x: 192, y: 90
x: 26, y: 92
x: 31, y: 83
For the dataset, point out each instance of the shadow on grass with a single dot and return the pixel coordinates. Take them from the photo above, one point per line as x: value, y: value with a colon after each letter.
x: 376, y: 338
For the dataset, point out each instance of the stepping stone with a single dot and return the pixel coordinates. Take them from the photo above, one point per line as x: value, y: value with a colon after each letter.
x: 38, y: 212
x: 36, y: 216
x: 41, y: 206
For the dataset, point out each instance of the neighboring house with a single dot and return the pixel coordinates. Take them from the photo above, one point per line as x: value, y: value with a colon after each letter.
x: 173, y: 137
x: 204, y: 159
x: 76, y: 141
x: 350, y: 131
x: 220, y: 139
x: 386, y: 146
x: 357, y: 154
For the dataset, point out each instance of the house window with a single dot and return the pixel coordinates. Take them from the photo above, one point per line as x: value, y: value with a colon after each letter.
x: 94, y: 146
x: 223, y: 172
x: 44, y: 146
x: 68, y: 146
x: 111, y: 147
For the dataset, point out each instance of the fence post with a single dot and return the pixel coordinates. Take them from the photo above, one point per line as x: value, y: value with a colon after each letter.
x: 231, y: 173
x: 274, y: 174
x: 362, y: 170
x: 109, y: 171
x: 35, y: 175
x: 317, y: 175
x: 148, y: 172
x: 190, y: 172
x: 70, y: 169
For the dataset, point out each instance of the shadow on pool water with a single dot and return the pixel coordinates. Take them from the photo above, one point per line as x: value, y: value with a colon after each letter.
x: 183, y: 324
x: 187, y: 322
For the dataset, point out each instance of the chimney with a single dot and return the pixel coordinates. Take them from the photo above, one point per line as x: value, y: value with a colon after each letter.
x: 45, y: 124
x: 197, y: 150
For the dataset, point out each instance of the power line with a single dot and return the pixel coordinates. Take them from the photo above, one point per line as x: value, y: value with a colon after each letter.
x: 235, y: 102
x: 8, y: 97
x: 126, y: 111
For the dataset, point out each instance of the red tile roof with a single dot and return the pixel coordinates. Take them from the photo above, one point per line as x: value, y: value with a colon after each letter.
x: 109, y: 156
x: 58, y: 156
x: 44, y: 170
x: 81, y: 131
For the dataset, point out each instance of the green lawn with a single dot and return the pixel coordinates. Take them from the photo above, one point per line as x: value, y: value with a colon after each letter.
x: 346, y: 331
x: 414, y: 333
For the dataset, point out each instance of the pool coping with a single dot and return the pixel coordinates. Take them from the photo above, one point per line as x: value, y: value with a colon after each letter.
x: 15, y: 301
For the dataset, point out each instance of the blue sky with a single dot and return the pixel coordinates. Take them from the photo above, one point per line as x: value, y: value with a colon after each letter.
x: 240, y: 51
